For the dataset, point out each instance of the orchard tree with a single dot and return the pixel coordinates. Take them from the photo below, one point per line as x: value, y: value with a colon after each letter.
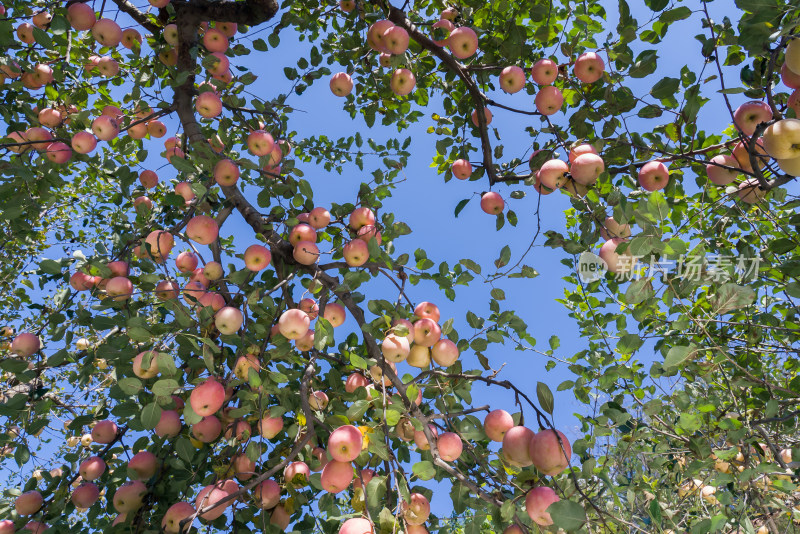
x: 180, y: 377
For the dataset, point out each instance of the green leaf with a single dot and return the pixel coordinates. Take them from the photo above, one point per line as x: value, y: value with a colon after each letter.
x: 679, y: 354
x: 665, y: 88
x: 460, y: 206
x: 130, y: 386
x: 545, y: 397
x: 165, y: 388
x: 732, y: 296
x: 424, y: 470
x: 471, y: 265
x: 50, y: 266
x: 151, y: 414
x: 568, y: 515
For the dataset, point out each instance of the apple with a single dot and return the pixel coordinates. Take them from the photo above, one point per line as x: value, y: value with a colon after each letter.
x: 347, y: 5
x: 119, y: 288
x: 319, y: 218
x: 207, y: 430
x: 202, y: 229
x: 215, y: 41
x: 209, y: 496
x: 547, y: 454
x: 107, y: 33
x: 611, y: 229
x: 516, y: 446
x: 260, y: 143
x: 208, y: 105
x: 441, y: 31
x: 269, y: 427
x: 353, y: 382
x: 463, y: 42
x: 166, y: 290
x: 104, y: 432
x: 487, y: 114
x: 356, y: 253
x: 794, y: 102
x: 462, y: 169
x: 751, y: 114
x: 92, y: 468
x: 419, y: 357
x: 449, y: 446
x: 790, y: 166
x: 305, y: 343
x: 207, y: 398
x: 395, y: 40
x: 792, y: 60
x: 395, y: 348
x: 361, y: 217
x: 175, y: 514
x: 25, y: 33
x: 536, y: 503
x: 243, y: 467
x: 449, y: 14
x: 587, y: 168
x: 375, y: 35
x: 427, y: 332
x: 213, y: 270
x: 243, y: 365
x: 417, y: 510
x: 139, y: 361
x: 309, y: 306
x: 782, y: 139
x: 492, y: 203
x: 445, y: 352
x: 614, y: 261
x: 169, y: 425
x: 549, y: 100
x: 496, y: 424
x: 421, y: 440
x: 42, y: 19
x: 345, y: 443
x: 26, y: 344
x: 267, y: 494
x: 653, y: 176
x: 38, y: 133
x: 81, y: 281
x: 81, y: 16
x: 297, y: 474
x: 790, y: 79
x: 336, y: 476
x: 742, y: 155
x: 335, y: 314
x: 356, y: 525
x: 427, y: 310
x: 228, y: 320
x: 50, y: 118
x: 512, y: 79
x: 416, y: 529
x: 544, y: 71
x: 85, y: 495
x: 28, y: 503
x: 108, y: 67
x: 148, y: 179
x: 105, y: 128
x: 302, y: 232
x: 143, y: 465
x: 294, y: 323
x: 35, y: 527
x: 403, y: 82
x: 750, y: 191
x: 318, y: 400
x: 186, y: 261
x: 719, y: 175
x: 589, y: 67
x: 131, y: 38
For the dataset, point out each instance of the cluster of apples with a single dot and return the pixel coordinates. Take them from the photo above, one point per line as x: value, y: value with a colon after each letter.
x: 548, y: 450
x: 295, y: 325
x: 303, y: 236
x: 419, y: 342
x: 390, y: 40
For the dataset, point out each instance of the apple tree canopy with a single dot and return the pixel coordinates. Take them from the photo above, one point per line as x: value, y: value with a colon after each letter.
x: 191, y: 341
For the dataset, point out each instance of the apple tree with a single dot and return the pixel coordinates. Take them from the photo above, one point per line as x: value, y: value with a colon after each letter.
x: 298, y: 374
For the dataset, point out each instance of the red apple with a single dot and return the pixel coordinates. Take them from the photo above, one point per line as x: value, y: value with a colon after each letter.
x: 536, y: 503
x: 492, y: 203
x: 462, y: 169
x: 544, y: 71
x: 653, y: 176
x: 463, y: 42
x: 549, y: 100
x: 547, y: 454
x: 496, y: 424
x: 516, y: 446
x: 512, y: 79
